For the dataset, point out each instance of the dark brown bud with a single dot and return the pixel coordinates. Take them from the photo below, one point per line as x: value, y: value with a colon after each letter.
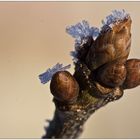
x: 133, y: 74
x: 110, y: 45
x: 112, y: 74
x: 64, y: 87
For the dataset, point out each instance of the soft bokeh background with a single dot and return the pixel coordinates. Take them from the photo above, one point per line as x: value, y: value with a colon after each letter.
x: 32, y: 39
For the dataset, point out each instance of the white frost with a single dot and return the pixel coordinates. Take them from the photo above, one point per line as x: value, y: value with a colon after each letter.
x: 47, y: 76
x: 114, y: 17
x: 81, y: 32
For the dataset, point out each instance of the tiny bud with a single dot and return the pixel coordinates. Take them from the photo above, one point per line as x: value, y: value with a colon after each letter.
x: 64, y: 87
x: 133, y: 74
x: 112, y: 74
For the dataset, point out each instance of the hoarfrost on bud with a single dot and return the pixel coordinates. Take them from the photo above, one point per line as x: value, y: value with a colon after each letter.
x: 114, y: 17
x: 47, y: 76
x: 81, y: 32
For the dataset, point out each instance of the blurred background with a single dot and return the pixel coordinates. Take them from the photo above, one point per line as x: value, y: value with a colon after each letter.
x: 33, y: 39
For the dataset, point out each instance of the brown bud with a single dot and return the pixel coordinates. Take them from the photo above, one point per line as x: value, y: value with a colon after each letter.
x: 64, y: 87
x: 133, y: 74
x: 112, y: 74
x: 110, y: 45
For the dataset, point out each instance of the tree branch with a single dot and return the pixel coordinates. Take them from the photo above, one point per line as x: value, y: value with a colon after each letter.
x: 69, y: 119
x: 102, y: 72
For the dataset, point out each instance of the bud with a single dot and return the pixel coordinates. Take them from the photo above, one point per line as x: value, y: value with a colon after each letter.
x: 133, y: 74
x: 64, y: 87
x: 111, y: 45
x: 111, y: 74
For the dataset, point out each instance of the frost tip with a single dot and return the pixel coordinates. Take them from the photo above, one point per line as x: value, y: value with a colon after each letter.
x: 114, y: 17
x: 47, y: 76
x: 81, y: 32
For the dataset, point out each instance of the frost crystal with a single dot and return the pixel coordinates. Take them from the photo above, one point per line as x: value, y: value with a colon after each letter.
x: 47, y: 76
x: 81, y: 32
x: 114, y: 17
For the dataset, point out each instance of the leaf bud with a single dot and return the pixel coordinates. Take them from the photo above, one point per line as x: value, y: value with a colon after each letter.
x: 133, y: 74
x: 64, y: 87
x: 111, y: 74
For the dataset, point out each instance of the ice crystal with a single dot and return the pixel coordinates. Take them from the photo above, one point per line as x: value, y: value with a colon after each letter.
x: 114, y: 17
x: 47, y: 76
x: 81, y: 32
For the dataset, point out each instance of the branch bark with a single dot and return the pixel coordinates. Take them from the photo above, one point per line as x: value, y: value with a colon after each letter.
x: 69, y: 124
x: 69, y: 119
x: 102, y: 72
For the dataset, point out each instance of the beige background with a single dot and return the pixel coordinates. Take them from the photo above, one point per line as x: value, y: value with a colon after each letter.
x: 32, y: 39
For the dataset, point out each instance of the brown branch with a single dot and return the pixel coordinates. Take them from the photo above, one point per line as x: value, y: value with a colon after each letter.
x: 102, y: 72
x: 69, y: 124
x: 69, y: 119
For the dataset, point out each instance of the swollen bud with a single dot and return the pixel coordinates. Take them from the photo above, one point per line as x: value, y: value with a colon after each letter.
x: 110, y: 45
x: 133, y: 74
x: 64, y: 87
x: 112, y: 74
